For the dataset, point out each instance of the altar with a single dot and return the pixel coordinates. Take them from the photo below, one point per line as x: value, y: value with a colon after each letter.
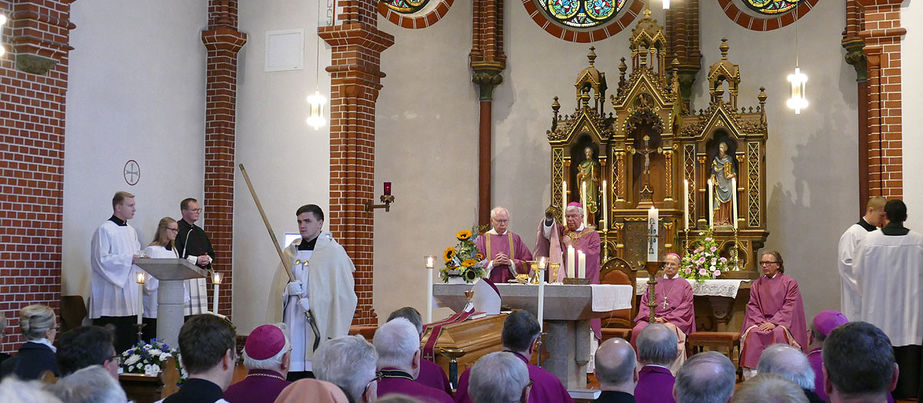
x: 568, y: 310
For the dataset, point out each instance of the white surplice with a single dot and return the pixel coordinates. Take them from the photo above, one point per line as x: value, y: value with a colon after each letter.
x: 113, y: 279
x: 889, y: 271
x: 846, y: 251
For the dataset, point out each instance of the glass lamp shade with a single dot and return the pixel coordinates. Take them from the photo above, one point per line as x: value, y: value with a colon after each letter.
x: 798, y: 100
x: 316, y: 117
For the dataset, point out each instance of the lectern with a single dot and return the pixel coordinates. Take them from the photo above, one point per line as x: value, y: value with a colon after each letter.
x: 170, y: 298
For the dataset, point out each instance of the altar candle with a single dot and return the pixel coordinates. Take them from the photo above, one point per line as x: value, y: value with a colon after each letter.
x: 570, y: 262
x: 686, y: 204
x: 653, y: 217
x: 734, y: 201
x: 586, y: 212
x: 216, y: 280
x: 140, y: 279
x: 430, y: 262
x: 605, y: 207
x: 711, y: 210
x: 581, y: 264
x: 541, y: 301
x: 563, y: 194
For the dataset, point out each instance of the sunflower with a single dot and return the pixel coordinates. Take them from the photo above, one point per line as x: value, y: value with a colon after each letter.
x: 449, y: 253
x: 479, y: 256
x: 469, y: 263
x: 470, y: 275
x: 463, y: 235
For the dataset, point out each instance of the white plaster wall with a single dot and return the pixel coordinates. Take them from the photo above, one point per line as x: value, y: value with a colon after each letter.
x: 912, y: 93
x: 136, y: 91
x: 811, y: 158
x: 287, y: 160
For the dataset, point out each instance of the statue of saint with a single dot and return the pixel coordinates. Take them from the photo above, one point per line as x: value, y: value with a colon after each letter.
x: 588, y: 173
x: 722, y: 170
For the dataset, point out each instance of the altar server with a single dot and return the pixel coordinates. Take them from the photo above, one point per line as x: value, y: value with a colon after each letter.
x: 775, y: 313
x: 193, y: 244
x: 323, y: 285
x: 673, y: 296
x: 504, y: 252
x: 161, y: 248
x: 846, y: 252
x: 889, y: 270
x: 114, y: 294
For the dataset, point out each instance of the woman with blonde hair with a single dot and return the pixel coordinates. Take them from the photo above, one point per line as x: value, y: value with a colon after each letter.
x: 37, y: 323
x: 161, y: 247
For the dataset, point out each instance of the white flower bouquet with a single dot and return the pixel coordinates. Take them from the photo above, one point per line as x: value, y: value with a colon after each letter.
x: 149, y: 359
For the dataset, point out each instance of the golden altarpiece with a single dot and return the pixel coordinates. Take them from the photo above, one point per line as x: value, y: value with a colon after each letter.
x: 649, y: 145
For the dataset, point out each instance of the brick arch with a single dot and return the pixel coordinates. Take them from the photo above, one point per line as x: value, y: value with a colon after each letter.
x: 763, y: 24
x: 633, y: 8
x: 417, y: 20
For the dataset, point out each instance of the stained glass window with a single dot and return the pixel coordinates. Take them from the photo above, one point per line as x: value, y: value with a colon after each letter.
x: 582, y: 13
x: 771, y: 7
x: 405, y: 6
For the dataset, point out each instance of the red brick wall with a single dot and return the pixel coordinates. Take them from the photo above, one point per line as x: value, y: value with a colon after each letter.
x: 222, y: 42
x: 355, y: 76
x: 882, y: 33
x: 31, y: 159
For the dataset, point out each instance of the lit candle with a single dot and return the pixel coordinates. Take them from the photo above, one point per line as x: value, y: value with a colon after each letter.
x: 430, y: 263
x: 583, y: 203
x: 541, y: 298
x: 653, y: 217
x: 570, y: 262
x: 387, y: 191
x: 686, y: 204
x: 605, y: 207
x: 711, y: 209
x: 734, y: 201
x: 216, y: 280
x: 563, y: 194
x: 140, y: 279
x: 581, y: 264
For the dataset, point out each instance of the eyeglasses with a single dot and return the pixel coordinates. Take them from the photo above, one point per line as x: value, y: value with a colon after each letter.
x: 173, y: 229
x: 768, y: 263
x: 196, y: 210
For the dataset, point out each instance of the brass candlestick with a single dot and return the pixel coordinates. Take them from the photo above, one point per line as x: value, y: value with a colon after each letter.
x: 652, y: 268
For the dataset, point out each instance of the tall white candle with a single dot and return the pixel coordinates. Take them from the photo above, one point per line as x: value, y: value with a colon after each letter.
x: 140, y: 279
x: 430, y: 262
x: 711, y: 208
x: 581, y: 264
x: 216, y: 279
x: 586, y: 211
x: 653, y: 218
x: 570, y: 261
x: 605, y: 211
x: 734, y: 201
x: 563, y: 194
x: 541, y: 301
x: 686, y: 204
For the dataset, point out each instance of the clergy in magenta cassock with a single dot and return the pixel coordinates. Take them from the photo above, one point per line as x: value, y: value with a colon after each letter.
x: 674, y: 308
x: 581, y: 237
x: 505, y: 255
x: 775, y: 313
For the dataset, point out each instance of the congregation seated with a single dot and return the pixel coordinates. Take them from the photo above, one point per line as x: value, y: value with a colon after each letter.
x: 673, y: 298
x: 92, y: 384
x: 499, y: 377
x: 397, y: 343
x: 350, y: 363
x: 859, y: 364
x: 86, y: 346
x: 15, y: 390
x: 791, y: 364
x: 520, y: 330
x: 266, y: 355
x: 775, y: 313
x: 821, y: 326
x: 208, y: 352
x: 617, y: 371
x: 311, y: 390
x: 37, y: 354
x: 769, y: 388
x: 431, y: 374
x: 707, y: 377
x: 657, y: 352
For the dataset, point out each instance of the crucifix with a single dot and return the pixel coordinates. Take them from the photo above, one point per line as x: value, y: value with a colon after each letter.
x: 646, y: 191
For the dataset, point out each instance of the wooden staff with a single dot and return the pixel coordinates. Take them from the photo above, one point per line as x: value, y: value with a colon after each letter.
x: 285, y: 263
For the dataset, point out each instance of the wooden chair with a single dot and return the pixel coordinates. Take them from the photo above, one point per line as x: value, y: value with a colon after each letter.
x: 618, y: 323
x: 73, y: 311
x: 727, y: 341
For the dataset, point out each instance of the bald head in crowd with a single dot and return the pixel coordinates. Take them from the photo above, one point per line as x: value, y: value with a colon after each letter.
x: 707, y: 377
x: 616, y: 367
x: 787, y: 362
x: 769, y: 388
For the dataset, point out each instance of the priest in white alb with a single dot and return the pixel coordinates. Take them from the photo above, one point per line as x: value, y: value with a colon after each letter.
x: 889, y: 271
x: 323, y: 287
x: 846, y: 251
x: 504, y: 252
x: 114, y: 294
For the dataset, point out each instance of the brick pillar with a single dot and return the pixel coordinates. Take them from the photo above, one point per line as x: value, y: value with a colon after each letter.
x: 882, y: 33
x: 355, y: 79
x: 682, y: 26
x: 222, y: 42
x: 33, y: 84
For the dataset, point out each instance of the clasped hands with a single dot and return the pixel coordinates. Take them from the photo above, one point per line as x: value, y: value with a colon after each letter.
x: 766, y: 326
x: 296, y: 289
x: 502, y: 260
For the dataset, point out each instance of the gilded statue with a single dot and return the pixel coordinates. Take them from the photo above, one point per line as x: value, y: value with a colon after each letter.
x: 722, y: 171
x: 588, y: 173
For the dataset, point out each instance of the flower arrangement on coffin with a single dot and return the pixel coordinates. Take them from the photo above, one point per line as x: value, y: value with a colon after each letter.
x: 463, y: 259
x: 704, y: 262
x: 149, y: 359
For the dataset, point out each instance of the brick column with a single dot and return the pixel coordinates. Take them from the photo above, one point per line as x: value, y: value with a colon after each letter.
x: 355, y: 79
x: 222, y: 42
x: 682, y: 25
x: 33, y: 84
x: 882, y: 33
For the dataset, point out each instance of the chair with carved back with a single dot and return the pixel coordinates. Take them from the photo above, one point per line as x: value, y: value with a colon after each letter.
x: 618, y: 323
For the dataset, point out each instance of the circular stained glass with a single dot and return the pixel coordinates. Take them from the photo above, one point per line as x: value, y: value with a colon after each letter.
x: 771, y: 7
x: 582, y: 13
x: 405, y: 6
